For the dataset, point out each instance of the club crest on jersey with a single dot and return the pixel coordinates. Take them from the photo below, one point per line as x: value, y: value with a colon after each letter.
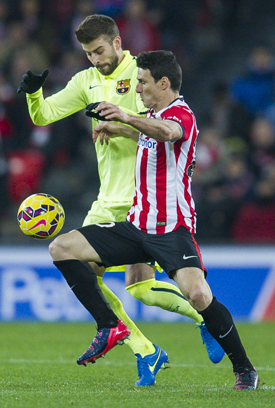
x: 123, y: 86
x: 190, y: 169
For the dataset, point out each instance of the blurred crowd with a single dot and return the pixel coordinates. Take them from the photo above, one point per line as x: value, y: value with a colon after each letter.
x: 234, y: 178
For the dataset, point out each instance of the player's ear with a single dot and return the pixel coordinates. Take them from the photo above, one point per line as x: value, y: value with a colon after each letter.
x: 164, y: 83
x: 117, y: 43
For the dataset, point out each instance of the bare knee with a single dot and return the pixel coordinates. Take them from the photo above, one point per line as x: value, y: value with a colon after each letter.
x: 73, y: 245
x: 59, y: 248
x: 194, y: 287
x: 199, y: 297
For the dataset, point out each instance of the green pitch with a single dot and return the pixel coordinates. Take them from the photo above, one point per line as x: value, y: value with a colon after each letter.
x: 38, y: 369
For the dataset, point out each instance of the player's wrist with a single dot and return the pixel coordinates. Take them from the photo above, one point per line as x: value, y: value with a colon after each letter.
x: 128, y: 119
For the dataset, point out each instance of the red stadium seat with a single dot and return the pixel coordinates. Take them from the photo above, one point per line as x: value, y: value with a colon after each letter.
x: 25, y: 172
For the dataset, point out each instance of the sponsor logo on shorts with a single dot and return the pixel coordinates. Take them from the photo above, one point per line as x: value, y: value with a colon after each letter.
x: 188, y: 257
x: 106, y: 225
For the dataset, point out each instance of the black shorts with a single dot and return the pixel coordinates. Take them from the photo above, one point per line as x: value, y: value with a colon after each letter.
x: 123, y: 244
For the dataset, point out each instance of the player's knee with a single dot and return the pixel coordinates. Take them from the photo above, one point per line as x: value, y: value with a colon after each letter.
x: 59, y: 248
x: 198, y: 297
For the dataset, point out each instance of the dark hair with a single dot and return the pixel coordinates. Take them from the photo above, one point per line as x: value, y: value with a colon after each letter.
x: 162, y: 63
x: 95, y: 26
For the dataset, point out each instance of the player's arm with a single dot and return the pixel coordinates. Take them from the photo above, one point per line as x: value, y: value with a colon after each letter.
x: 105, y: 130
x: 161, y: 130
x: 58, y: 106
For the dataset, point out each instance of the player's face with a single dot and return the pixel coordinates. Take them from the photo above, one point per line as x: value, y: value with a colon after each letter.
x: 103, y: 55
x: 148, y: 89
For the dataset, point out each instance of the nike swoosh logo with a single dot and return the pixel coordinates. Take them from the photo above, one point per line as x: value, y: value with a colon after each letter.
x: 152, y: 367
x: 187, y: 257
x: 37, y: 224
x: 222, y: 336
x: 91, y: 87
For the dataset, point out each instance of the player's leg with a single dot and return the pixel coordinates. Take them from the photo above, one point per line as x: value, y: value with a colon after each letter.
x: 69, y: 253
x: 142, y: 285
x: 139, y: 344
x: 219, y: 322
x: 142, y: 347
x: 148, y: 355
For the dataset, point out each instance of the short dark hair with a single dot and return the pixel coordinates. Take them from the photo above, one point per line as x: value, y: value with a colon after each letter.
x: 162, y: 63
x: 95, y: 26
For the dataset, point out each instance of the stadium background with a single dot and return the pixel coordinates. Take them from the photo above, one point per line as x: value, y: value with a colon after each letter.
x: 226, y: 50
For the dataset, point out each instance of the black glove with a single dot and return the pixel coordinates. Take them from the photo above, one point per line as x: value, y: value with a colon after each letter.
x: 93, y: 113
x: 31, y: 82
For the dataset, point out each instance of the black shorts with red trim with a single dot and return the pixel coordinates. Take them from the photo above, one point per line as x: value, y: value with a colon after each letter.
x: 120, y: 243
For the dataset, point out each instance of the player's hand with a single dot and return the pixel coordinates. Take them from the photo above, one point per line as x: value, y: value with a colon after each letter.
x: 105, y: 130
x: 112, y: 112
x: 93, y: 112
x: 31, y: 82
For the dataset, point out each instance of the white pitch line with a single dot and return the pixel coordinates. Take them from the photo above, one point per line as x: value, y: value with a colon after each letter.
x: 129, y: 363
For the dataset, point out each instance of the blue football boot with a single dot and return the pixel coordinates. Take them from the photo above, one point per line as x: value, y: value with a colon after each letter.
x: 149, y: 366
x: 214, y: 350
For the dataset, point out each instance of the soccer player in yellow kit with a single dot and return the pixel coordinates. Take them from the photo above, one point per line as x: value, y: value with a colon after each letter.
x: 113, y: 78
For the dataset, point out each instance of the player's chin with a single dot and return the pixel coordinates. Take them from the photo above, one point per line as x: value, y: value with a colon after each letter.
x: 105, y: 70
x: 145, y: 103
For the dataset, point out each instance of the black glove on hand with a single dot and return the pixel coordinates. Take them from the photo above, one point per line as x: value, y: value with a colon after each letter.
x: 31, y: 82
x: 93, y: 113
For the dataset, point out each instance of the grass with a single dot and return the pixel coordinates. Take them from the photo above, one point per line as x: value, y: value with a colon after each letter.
x: 38, y: 369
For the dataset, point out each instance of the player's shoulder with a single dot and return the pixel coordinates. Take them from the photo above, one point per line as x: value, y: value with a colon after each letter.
x: 87, y: 73
x: 178, y: 111
x: 82, y: 80
x: 178, y: 105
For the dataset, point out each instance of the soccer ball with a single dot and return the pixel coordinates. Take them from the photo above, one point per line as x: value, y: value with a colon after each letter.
x: 40, y: 216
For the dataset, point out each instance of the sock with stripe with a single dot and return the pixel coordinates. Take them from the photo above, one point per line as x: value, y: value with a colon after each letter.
x: 164, y: 295
x: 137, y: 342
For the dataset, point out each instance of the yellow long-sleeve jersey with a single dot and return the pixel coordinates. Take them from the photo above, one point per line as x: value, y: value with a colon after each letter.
x: 116, y: 161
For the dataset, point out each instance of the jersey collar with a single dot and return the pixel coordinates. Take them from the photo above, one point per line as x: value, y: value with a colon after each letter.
x: 122, y: 66
x: 180, y: 98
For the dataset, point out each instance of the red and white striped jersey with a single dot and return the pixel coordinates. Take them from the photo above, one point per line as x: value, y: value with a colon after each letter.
x: 162, y: 197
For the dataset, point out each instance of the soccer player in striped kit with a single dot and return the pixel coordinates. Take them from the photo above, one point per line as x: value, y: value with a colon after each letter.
x: 162, y: 220
x: 113, y: 78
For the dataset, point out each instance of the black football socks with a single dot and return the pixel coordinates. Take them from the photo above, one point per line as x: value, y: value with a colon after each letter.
x: 220, y: 325
x: 82, y: 279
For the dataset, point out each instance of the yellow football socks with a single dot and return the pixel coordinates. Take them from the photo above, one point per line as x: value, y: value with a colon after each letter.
x: 137, y: 342
x: 164, y: 295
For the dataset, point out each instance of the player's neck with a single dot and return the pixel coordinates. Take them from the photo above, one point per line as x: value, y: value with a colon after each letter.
x: 166, y: 100
x: 121, y: 56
